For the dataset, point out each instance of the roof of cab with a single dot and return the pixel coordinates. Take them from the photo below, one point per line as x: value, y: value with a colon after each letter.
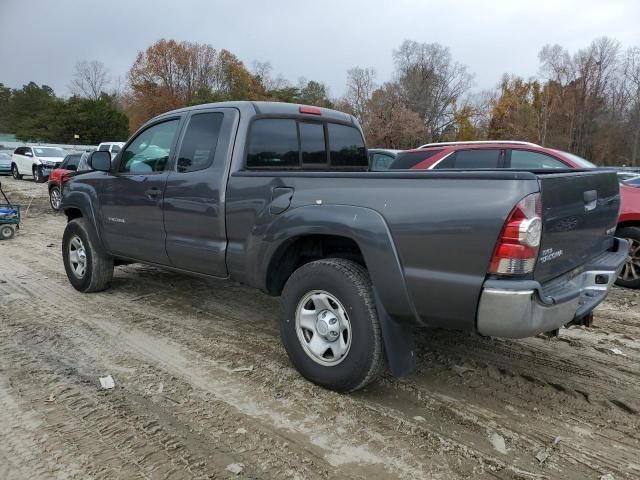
x: 270, y: 108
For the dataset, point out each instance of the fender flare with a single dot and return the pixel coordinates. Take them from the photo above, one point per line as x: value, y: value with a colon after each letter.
x: 79, y: 200
x: 368, y: 229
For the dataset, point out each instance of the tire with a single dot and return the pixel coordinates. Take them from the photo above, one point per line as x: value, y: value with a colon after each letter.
x: 55, y: 197
x: 309, y: 288
x: 14, y: 172
x: 80, y: 237
x: 6, y: 232
x: 37, y: 174
x: 630, y: 275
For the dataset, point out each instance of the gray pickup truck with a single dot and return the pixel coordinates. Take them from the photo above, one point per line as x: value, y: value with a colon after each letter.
x: 280, y: 197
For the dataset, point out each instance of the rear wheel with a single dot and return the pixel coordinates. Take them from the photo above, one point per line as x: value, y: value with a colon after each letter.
x: 15, y: 173
x: 630, y: 275
x: 55, y: 197
x: 6, y: 232
x: 88, y: 266
x: 330, y: 326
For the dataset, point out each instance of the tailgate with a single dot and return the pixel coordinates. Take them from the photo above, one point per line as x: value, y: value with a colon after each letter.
x: 579, y: 215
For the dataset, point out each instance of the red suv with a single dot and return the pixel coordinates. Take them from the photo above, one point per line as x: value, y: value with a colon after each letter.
x: 524, y: 155
x: 58, y: 176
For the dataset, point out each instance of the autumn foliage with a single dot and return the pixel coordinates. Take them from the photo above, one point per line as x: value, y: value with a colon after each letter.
x: 170, y: 75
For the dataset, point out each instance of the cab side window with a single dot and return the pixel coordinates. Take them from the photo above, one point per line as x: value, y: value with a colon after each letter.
x: 149, y: 151
x: 104, y: 147
x: 200, y: 140
x: 527, y: 159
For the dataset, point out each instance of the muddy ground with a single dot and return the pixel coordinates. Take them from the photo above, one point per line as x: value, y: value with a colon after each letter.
x: 204, y: 388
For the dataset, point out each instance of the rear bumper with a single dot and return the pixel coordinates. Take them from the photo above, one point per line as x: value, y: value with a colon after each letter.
x: 519, y: 309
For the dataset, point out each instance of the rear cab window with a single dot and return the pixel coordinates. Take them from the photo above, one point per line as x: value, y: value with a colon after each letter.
x: 346, y: 147
x: 289, y: 143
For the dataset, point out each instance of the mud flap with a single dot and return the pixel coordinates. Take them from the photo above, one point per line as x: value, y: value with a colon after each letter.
x: 399, y: 342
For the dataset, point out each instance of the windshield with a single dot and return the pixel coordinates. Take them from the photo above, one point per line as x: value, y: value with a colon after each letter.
x: 579, y: 160
x: 49, y: 152
x: 633, y: 181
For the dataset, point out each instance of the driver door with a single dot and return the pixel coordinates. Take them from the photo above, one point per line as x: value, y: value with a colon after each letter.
x: 131, y: 201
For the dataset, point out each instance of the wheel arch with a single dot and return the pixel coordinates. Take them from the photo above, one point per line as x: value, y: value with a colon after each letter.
x: 342, y: 231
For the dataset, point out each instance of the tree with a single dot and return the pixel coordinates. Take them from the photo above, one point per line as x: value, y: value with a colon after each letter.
x: 171, y: 74
x: 94, y: 120
x: 31, y: 111
x: 391, y: 124
x: 314, y: 93
x: 233, y: 81
x: 5, y: 98
x: 515, y: 113
x: 360, y: 87
x: 90, y: 79
x: 431, y: 82
x: 631, y: 75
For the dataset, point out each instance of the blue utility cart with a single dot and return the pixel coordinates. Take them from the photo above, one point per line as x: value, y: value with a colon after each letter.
x: 9, y: 218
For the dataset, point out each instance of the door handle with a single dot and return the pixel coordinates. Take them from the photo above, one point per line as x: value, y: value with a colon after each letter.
x: 153, y: 193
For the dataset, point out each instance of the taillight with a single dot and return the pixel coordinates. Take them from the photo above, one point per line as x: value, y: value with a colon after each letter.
x: 517, y: 248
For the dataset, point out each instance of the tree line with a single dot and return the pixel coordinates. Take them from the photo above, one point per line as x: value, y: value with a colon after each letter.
x: 586, y: 102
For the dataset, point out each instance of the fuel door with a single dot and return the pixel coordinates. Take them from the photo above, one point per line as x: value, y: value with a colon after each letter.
x: 280, y: 199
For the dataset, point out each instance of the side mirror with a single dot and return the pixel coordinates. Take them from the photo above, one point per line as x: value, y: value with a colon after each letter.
x: 100, y: 160
x: 28, y: 154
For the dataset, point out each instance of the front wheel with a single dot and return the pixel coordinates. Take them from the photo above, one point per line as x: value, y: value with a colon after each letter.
x: 329, y: 325
x: 630, y: 275
x: 38, y: 177
x: 15, y: 173
x: 55, y: 197
x: 88, y: 267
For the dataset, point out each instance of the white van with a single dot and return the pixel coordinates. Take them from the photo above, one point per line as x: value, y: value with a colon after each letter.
x: 112, y: 147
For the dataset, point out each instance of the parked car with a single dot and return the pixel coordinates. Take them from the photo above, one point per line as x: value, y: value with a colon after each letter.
x: 382, y: 158
x: 37, y: 162
x: 633, y: 181
x: 627, y: 177
x: 524, y: 155
x: 112, y: 147
x: 72, y: 163
x: 280, y: 197
x: 5, y: 163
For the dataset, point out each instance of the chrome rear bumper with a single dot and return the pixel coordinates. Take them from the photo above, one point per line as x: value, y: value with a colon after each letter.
x: 518, y: 309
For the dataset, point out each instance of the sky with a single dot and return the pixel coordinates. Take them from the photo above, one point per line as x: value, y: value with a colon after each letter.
x: 41, y: 40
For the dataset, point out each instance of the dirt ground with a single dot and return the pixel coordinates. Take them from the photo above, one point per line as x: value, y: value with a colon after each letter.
x: 203, y: 388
